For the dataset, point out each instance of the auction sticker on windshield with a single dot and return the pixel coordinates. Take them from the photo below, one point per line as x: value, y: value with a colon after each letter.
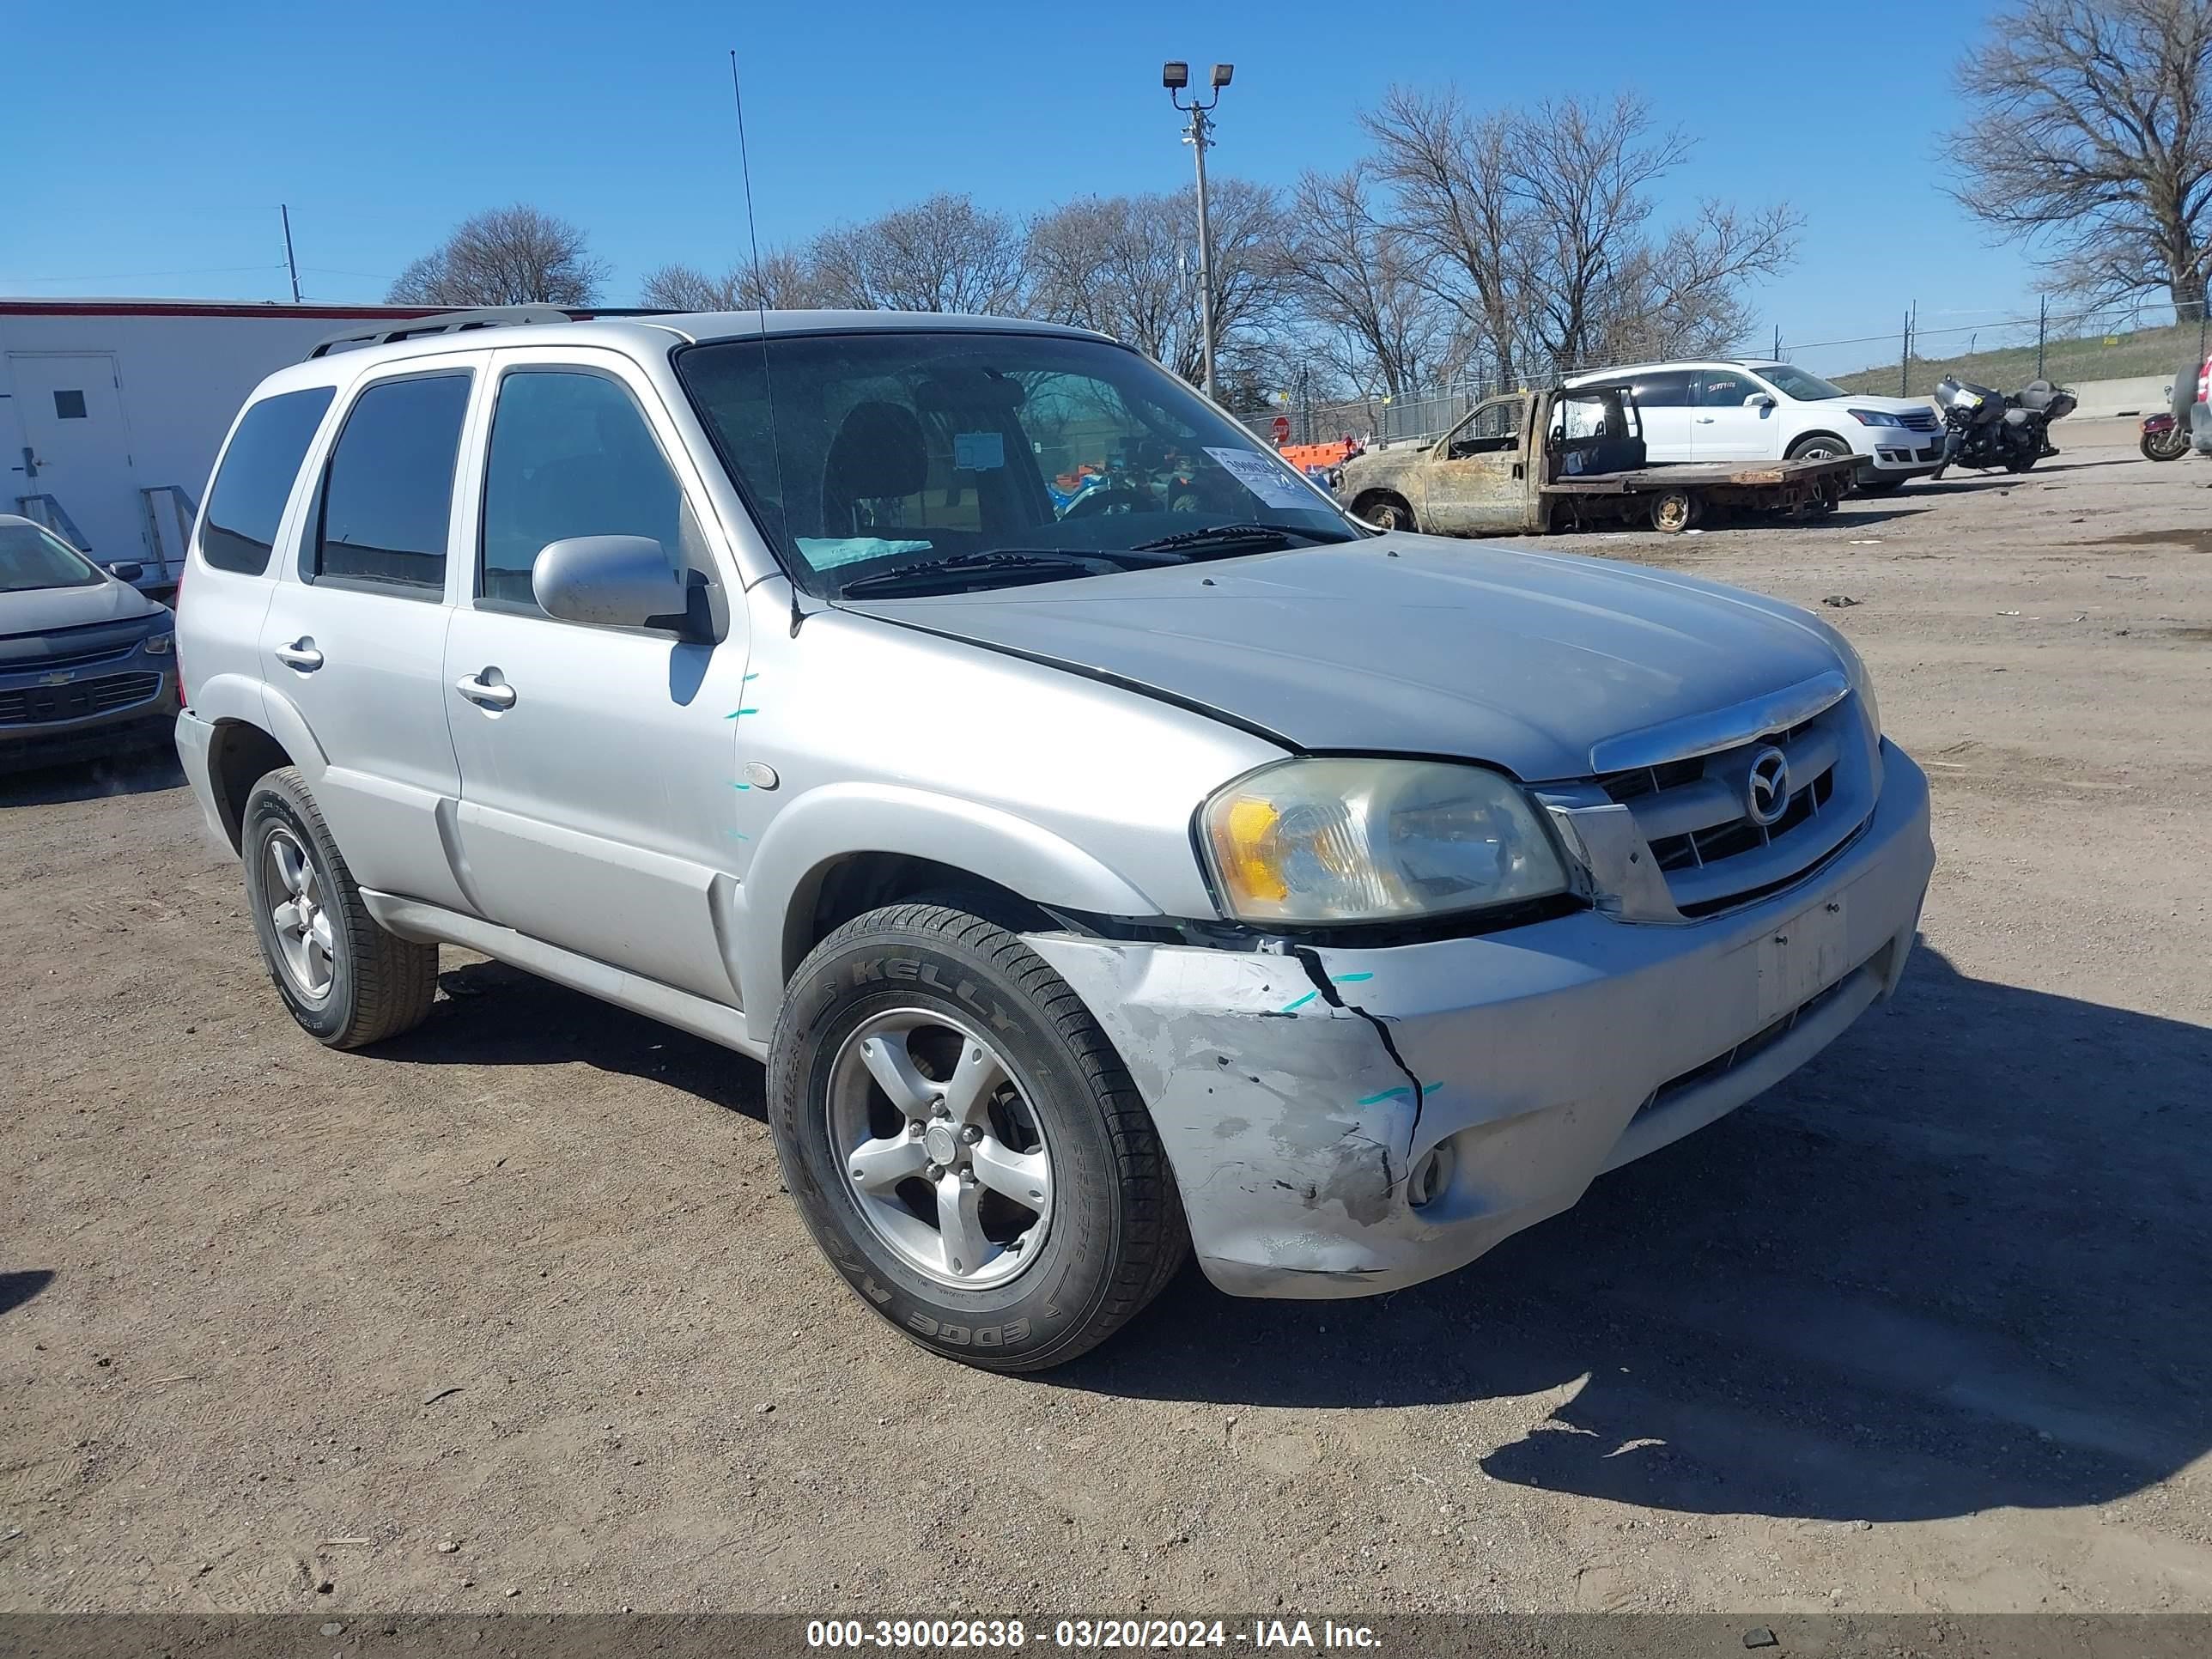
x: 1262, y: 478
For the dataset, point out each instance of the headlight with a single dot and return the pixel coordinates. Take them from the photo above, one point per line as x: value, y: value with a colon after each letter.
x: 1875, y: 418
x: 1308, y: 842
x: 1855, y: 671
x: 159, y: 644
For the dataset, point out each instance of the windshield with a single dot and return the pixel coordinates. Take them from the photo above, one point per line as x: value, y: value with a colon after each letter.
x: 867, y: 453
x: 30, y: 558
x: 1792, y: 381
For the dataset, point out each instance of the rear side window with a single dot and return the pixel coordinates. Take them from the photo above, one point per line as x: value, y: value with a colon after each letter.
x: 1667, y: 388
x: 255, y: 479
x: 388, y: 492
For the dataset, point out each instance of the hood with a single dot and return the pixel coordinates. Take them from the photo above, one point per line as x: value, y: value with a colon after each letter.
x: 1409, y: 644
x: 1887, y: 405
x: 43, y: 610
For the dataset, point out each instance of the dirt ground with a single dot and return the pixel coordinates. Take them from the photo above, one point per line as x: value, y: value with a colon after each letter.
x: 513, y: 1313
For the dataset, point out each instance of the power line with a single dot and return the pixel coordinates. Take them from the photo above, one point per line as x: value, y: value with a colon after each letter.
x: 122, y: 275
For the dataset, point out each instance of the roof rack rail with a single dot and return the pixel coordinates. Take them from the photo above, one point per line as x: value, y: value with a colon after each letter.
x: 444, y: 322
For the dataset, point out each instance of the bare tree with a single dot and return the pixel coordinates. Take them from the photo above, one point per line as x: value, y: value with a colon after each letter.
x: 784, y: 281
x: 1127, y: 266
x: 508, y: 256
x: 1538, y: 227
x: 2091, y: 131
x: 1684, y: 295
x: 1582, y: 178
x: 1455, y: 204
x: 944, y: 254
x: 1357, y: 284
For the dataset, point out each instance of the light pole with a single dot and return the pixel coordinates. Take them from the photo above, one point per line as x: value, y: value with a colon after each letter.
x: 1175, y: 77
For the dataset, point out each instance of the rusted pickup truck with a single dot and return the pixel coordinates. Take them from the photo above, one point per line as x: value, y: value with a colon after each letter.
x: 1531, y: 463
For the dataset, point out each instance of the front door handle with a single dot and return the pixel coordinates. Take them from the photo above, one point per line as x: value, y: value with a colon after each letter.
x: 485, y: 694
x: 300, y: 654
x: 1704, y: 420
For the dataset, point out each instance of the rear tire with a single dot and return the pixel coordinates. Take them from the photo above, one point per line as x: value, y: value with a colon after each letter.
x: 346, y: 981
x: 1674, y: 511
x: 913, y: 992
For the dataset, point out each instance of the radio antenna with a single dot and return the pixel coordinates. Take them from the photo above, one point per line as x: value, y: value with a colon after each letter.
x: 760, y: 304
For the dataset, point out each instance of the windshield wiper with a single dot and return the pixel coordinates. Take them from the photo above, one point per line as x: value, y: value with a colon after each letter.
x: 1010, y: 559
x: 1239, y: 534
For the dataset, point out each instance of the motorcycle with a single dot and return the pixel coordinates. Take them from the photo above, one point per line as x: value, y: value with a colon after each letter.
x: 1986, y: 428
x: 2164, y: 437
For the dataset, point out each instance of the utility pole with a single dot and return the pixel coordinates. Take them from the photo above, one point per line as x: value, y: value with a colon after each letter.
x: 288, y: 264
x: 1198, y: 135
x: 2042, y: 329
x: 1778, y: 342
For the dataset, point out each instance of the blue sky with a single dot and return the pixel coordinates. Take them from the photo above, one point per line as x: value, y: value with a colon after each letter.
x: 149, y: 145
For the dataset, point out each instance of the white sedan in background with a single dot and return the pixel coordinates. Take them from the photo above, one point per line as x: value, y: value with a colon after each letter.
x: 1765, y: 411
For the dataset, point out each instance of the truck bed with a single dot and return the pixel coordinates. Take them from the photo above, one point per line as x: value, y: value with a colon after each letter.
x: 1699, y: 475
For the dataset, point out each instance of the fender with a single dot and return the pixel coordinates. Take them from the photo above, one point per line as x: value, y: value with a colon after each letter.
x: 277, y: 714
x: 837, y: 820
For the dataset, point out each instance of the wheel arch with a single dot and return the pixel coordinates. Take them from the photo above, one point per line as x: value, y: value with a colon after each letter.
x: 240, y: 752
x: 1375, y: 494
x: 847, y: 848
x: 1797, y: 444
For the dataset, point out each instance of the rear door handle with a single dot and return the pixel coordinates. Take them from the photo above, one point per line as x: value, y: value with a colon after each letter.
x: 1704, y: 420
x: 485, y: 694
x: 300, y: 654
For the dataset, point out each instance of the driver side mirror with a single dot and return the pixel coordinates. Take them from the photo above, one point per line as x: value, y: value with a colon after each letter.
x: 1758, y: 400
x: 126, y: 570
x: 612, y: 582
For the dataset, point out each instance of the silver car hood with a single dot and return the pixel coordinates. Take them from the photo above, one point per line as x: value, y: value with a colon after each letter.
x: 1409, y: 644
x: 42, y: 610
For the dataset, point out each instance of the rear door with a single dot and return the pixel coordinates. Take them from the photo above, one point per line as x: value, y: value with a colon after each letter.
x: 1663, y: 399
x: 598, y: 765
x: 1723, y: 426
x: 356, y: 631
x: 77, y: 450
x: 1474, y: 485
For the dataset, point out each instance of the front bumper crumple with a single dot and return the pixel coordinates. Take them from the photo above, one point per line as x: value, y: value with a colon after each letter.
x: 1294, y: 1093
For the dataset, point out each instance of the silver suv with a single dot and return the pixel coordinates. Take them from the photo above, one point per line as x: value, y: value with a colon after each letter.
x: 1112, y: 848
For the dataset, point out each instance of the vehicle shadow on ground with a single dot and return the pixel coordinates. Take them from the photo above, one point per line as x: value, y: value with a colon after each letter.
x: 16, y: 1289
x: 495, y: 1015
x: 132, y: 773
x: 1958, y: 1262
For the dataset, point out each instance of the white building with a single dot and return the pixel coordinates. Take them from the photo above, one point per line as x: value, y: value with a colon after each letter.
x: 112, y: 410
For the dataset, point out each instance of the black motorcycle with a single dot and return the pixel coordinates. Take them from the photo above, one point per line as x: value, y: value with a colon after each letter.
x: 1987, y: 429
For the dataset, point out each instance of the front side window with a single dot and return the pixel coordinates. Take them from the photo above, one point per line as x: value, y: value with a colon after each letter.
x: 388, y: 491
x: 30, y: 558
x: 571, y: 455
x: 1722, y: 388
x: 864, y: 451
x: 255, y: 479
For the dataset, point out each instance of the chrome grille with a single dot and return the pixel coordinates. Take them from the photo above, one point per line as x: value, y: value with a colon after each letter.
x: 1918, y: 419
x: 1695, y: 814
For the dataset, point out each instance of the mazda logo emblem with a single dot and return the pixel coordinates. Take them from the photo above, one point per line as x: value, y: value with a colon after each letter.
x: 1767, y: 796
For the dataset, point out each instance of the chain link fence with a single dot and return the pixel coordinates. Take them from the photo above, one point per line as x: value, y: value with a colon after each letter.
x: 2064, y: 345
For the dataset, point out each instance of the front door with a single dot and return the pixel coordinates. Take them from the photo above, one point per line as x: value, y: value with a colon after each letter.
x: 78, y: 451
x: 598, y: 765
x: 354, y: 638
x: 1723, y: 426
x: 1473, y: 484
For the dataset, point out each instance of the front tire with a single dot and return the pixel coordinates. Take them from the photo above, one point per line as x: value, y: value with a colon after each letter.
x: 346, y: 981
x: 1389, y: 513
x: 965, y: 1145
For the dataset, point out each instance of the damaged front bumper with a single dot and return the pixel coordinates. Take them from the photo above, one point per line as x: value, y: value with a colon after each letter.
x: 1296, y: 1094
